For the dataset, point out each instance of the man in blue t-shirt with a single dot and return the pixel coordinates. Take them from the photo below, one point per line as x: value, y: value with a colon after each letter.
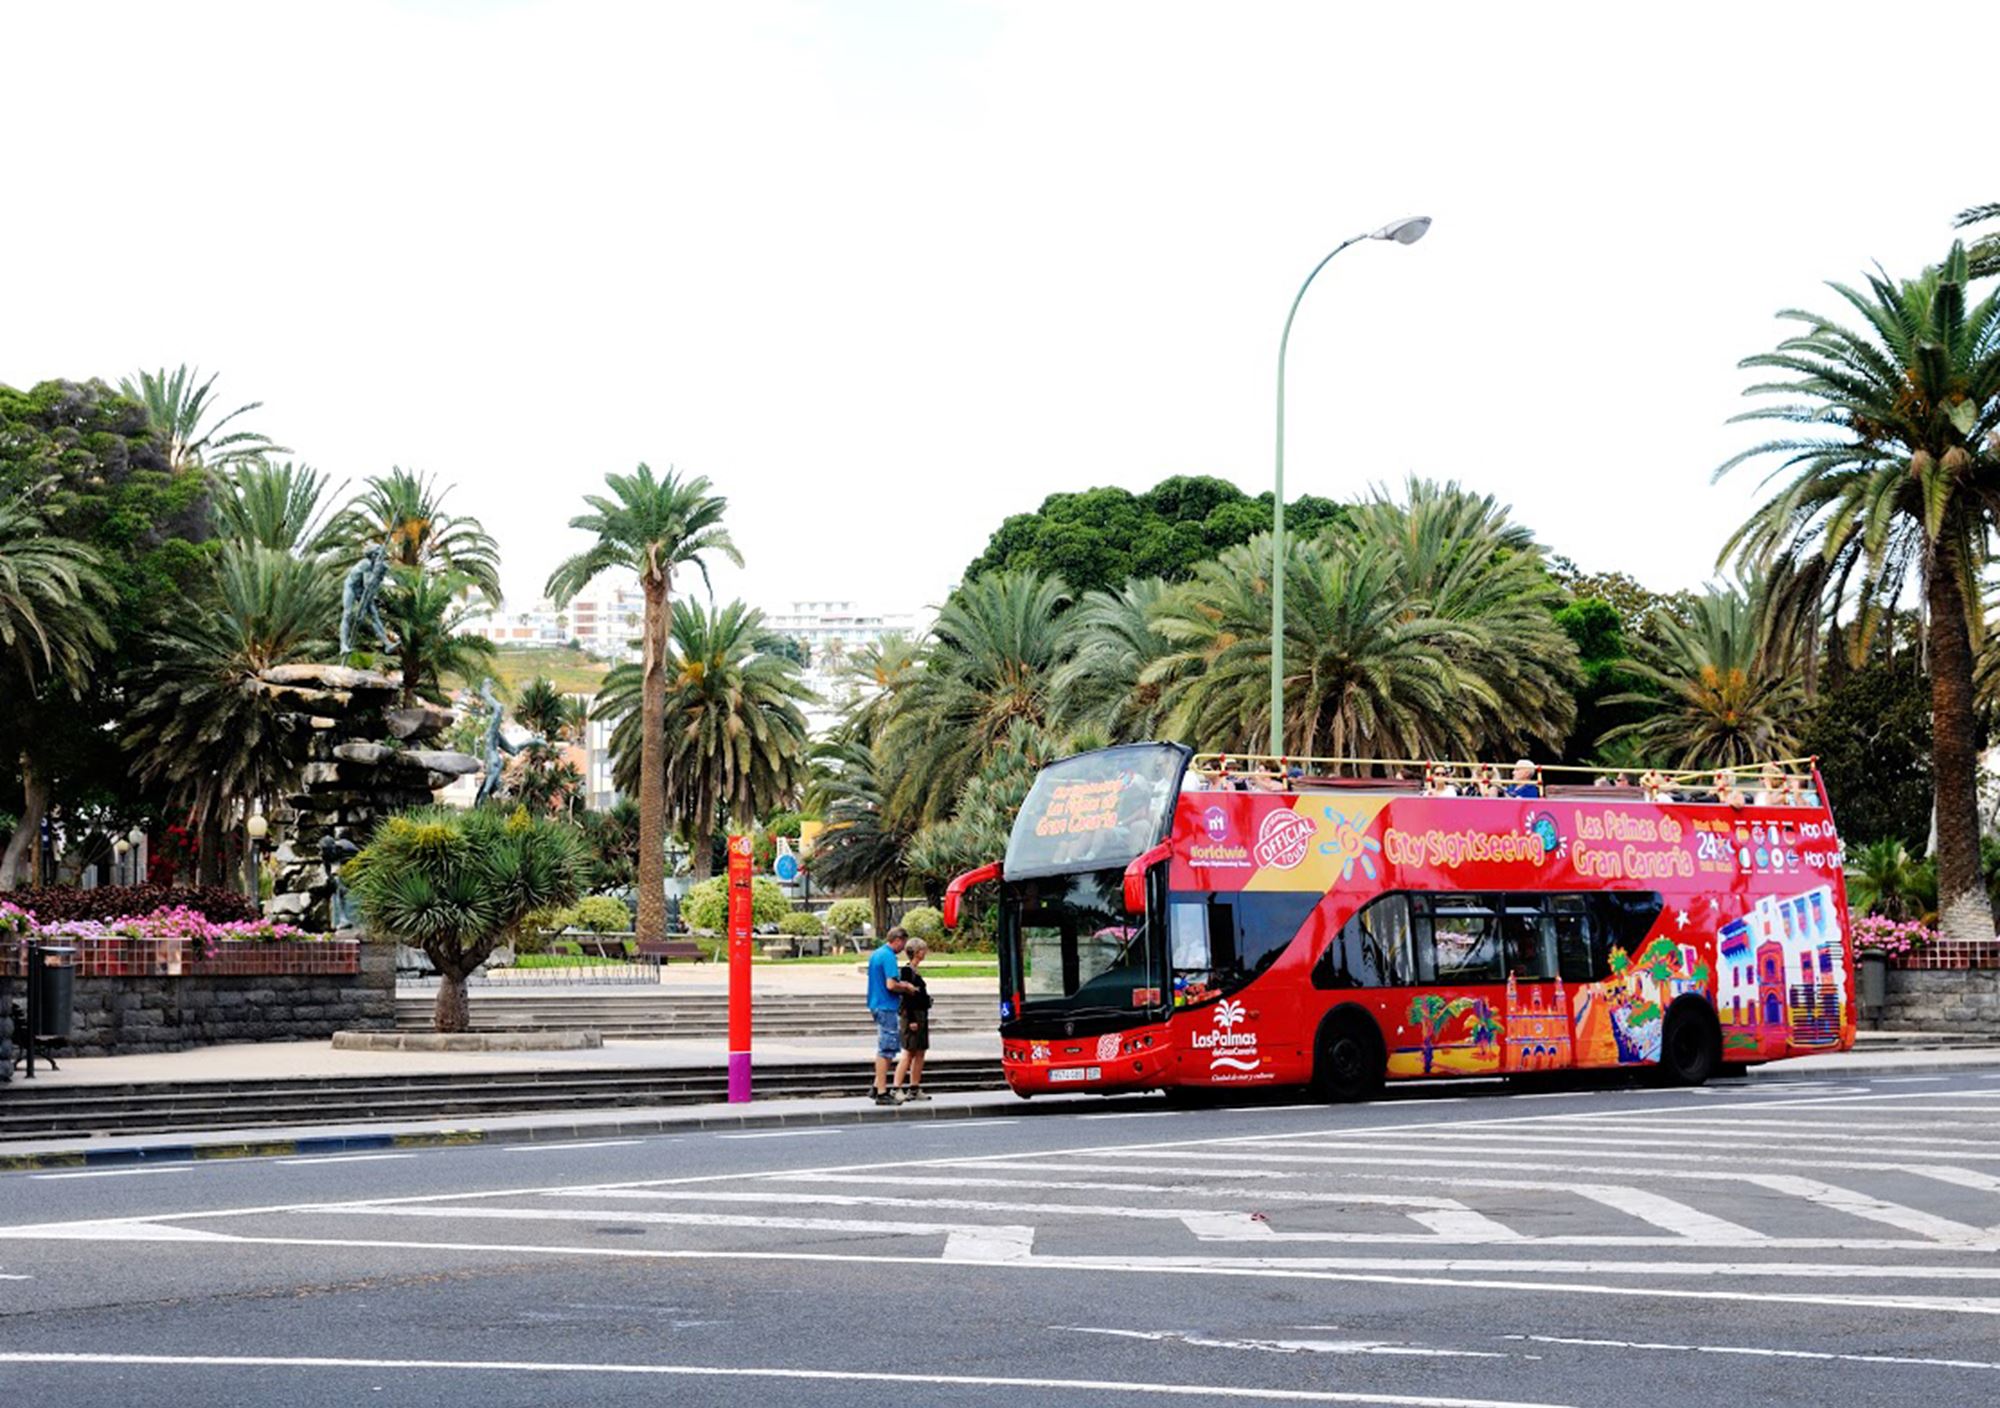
x: 885, y: 1001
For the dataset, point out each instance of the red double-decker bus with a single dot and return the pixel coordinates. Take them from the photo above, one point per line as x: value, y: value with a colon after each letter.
x: 1244, y: 922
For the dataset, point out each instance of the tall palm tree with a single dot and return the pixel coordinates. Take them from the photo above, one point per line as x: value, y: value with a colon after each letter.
x: 1458, y: 559
x: 1102, y: 683
x: 404, y: 511
x: 52, y: 630
x: 735, y: 738
x: 1897, y: 472
x: 272, y: 504
x: 991, y: 663
x: 1365, y: 671
x: 1723, y: 700
x: 180, y: 410
x: 649, y: 526
x: 200, y: 725
x: 877, y: 673
x: 427, y: 613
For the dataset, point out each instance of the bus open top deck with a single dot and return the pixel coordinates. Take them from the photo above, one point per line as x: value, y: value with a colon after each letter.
x: 1170, y: 921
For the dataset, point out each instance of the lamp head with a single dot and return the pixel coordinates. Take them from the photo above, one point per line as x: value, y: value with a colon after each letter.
x: 1404, y: 231
x: 136, y: 836
x: 258, y: 827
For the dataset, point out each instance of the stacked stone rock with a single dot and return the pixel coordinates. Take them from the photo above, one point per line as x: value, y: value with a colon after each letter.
x: 362, y: 759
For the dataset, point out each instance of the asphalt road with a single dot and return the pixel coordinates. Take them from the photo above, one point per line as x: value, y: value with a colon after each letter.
x: 1791, y: 1241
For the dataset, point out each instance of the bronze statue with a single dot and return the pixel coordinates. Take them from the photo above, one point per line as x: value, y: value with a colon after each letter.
x: 496, y: 744
x: 358, y: 597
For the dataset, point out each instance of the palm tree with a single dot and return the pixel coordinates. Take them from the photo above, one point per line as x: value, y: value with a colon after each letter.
x: 1984, y: 256
x: 1102, y: 683
x: 1459, y: 560
x: 1886, y: 879
x: 1366, y: 673
x: 457, y: 883
x: 52, y: 629
x: 404, y: 512
x: 735, y: 740
x: 877, y: 673
x: 991, y: 664
x: 179, y: 409
x: 649, y: 526
x: 200, y: 725
x: 428, y: 612
x: 1897, y: 471
x: 273, y: 505
x: 1722, y: 699
x: 547, y: 781
x: 863, y: 843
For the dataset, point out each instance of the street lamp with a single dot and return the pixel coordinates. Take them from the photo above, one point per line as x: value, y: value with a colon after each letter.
x: 137, y: 839
x: 119, y: 848
x: 1401, y: 232
x: 258, y: 828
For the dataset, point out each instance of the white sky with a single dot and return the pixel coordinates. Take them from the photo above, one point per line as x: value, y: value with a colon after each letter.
x: 889, y: 272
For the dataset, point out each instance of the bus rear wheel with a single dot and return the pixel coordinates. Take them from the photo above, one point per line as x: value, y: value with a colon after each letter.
x: 1691, y: 1046
x: 1351, y: 1063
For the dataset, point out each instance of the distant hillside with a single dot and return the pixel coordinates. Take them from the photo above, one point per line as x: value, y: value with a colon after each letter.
x: 572, y: 671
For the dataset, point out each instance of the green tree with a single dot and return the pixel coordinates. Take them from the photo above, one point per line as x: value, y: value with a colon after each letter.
x: 735, y: 740
x: 1720, y: 699
x: 1894, y: 473
x: 404, y: 512
x: 199, y: 724
x: 707, y: 906
x: 427, y: 612
x: 272, y: 505
x: 863, y: 843
x: 613, y: 836
x: 1983, y: 258
x: 991, y: 664
x: 179, y: 408
x: 649, y: 526
x: 979, y: 827
x: 545, y: 780
x: 1872, y: 736
x: 1884, y: 878
x: 1102, y: 684
x: 457, y: 883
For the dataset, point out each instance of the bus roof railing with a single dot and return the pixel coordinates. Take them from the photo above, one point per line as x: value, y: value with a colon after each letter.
x: 1793, y: 776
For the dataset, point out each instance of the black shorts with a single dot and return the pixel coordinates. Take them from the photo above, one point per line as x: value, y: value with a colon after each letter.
x: 915, y: 1032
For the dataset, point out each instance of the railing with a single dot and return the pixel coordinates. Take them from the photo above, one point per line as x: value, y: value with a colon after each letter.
x: 1778, y: 782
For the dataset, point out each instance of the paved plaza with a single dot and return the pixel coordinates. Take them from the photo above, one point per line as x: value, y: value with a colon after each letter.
x: 1793, y: 1239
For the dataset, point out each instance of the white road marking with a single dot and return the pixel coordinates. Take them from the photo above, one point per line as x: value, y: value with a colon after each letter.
x: 110, y: 1172
x: 779, y: 1133
x: 313, y: 1160
x: 873, y: 1227
x: 5, y: 1277
x: 1132, y: 1115
x: 1924, y: 1224
x: 706, y: 1371
x: 559, y: 1147
x: 1367, y: 1347
x: 1908, y: 1080
x: 1760, y: 1353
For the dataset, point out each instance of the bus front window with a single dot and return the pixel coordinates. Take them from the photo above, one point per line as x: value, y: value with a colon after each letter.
x: 1070, y: 947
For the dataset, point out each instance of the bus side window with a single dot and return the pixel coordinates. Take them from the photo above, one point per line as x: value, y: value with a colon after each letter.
x: 1465, y: 940
x: 1526, y: 931
x: 1373, y: 949
x: 1266, y: 924
x: 1187, y: 932
x: 1626, y: 917
x: 1582, y: 956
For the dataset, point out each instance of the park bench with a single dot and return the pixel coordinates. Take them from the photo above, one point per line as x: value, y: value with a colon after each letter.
x: 602, y: 948
x: 666, y: 950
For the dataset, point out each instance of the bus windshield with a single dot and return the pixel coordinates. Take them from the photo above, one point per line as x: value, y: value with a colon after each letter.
x: 1096, y: 809
x: 1068, y: 947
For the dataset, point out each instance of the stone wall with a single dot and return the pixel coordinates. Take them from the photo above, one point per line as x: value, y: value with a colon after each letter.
x: 6, y: 1028
x: 1943, y: 1000
x: 123, y: 1016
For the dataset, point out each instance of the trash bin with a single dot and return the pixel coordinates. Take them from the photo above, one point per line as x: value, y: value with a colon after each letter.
x: 1874, y: 985
x: 55, y: 991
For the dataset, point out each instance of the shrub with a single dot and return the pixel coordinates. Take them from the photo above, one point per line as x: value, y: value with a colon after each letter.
x: 59, y: 904
x: 924, y: 923
x: 1899, y: 939
x: 707, y: 904
x: 802, y: 922
x: 600, y: 914
x: 845, y: 917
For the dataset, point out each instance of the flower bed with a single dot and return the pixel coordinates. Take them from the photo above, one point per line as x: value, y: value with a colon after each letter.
x: 175, y: 940
x: 1912, y: 946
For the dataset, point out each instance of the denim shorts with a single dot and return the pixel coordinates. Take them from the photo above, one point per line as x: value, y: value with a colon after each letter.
x: 888, y: 1040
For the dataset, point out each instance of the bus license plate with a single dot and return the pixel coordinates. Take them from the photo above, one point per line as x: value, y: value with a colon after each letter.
x: 1077, y: 1073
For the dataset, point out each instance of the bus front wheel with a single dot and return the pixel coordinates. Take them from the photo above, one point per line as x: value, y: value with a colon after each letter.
x: 1691, y: 1045
x: 1351, y: 1063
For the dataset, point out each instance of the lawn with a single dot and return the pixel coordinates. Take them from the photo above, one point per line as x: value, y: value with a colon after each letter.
x: 571, y: 671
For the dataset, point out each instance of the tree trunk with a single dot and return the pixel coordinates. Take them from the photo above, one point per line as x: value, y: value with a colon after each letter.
x: 701, y: 853
x: 652, y: 919
x: 34, y: 806
x: 878, y: 897
x: 452, y: 1011
x: 1963, y: 910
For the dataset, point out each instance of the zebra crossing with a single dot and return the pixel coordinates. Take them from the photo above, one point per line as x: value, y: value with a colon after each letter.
x: 1828, y: 1196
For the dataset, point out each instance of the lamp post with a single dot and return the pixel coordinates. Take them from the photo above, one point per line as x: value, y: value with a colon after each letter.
x: 137, y: 837
x: 1402, y: 232
x: 258, y: 828
x: 119, y: 849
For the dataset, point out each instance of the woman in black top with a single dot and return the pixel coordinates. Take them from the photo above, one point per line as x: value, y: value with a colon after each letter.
x: 915, y: 1025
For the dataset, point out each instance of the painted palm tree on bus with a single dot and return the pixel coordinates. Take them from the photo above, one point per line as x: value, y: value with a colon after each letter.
x: 404, y: 511
x: 1895, y: 471
x: 649, y: 525
x: 1432, y: 1015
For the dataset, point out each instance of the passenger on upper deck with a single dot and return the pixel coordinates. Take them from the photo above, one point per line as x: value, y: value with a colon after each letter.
x: 1524, y: 784
x: 1726, y: 793
x: 1485, y: 781
x: 1653, y: 783
x: 1777, y: 790
x: 1438, y: 783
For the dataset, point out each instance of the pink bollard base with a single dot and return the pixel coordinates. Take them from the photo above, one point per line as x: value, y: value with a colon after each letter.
x: 739, y: 1077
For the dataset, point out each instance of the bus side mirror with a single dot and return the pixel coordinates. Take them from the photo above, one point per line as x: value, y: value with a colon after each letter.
x: 1135, y: 876
x: 955, y: 891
